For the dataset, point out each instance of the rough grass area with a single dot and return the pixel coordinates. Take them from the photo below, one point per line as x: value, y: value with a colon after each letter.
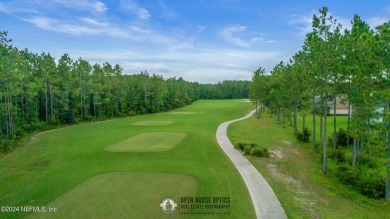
x: 294, y: 172
x: 121, y: 195
x: 149, y: 142
x: 182, y: 113
x: 152, y: 123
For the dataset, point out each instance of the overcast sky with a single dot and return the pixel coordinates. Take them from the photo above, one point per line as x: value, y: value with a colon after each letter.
x: 199, y: 40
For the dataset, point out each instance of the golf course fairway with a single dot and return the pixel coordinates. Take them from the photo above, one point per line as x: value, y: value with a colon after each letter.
x: 119, y: 169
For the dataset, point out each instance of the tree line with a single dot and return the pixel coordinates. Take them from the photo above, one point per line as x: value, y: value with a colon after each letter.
x: 351, y: 65
x: 36, y: 92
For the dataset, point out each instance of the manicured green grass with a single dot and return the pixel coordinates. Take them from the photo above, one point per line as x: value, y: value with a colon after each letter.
x: 149, y: 142
x: 294, y: 172
x: 56, y: 162
x: 152, y: 123
x: 93, y: 198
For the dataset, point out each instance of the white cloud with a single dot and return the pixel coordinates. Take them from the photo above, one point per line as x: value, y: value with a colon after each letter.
x: 93, y: 22
x: 15, y: 7
x: 230, y: 35
x: 166, y: 12
x: 193, y: 64
x: 75, y: 29
x: 376, y: 21
x: 200, y: 28
x: 303, y: 23
x: 141, y: 13
x: 95, y: 27
x: 96, y: 6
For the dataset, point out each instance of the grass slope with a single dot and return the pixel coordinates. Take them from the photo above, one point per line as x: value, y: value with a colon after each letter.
x: 56, y: 162
x: 294, y: 172
x: 94, y: 197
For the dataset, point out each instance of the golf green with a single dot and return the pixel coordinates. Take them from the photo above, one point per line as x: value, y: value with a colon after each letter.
x: 149, y: 142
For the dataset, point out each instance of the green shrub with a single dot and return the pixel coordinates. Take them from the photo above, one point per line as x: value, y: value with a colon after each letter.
x: 247, y: 150
x: 53, y: 121
x: 252, y: 149
x: 368, y: 161
x: 303, y: 136
x: 5, y: 145
x: 342, y: 137
x: 260, y: 152
x: 131, y: 113
x: 338, y: 156
x: 348, y: 174
x: 240, y: 146
x: 373, y: 184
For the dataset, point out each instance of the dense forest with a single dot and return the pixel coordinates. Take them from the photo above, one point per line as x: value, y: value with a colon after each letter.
x: 354, y: 66
x: 37, y: 92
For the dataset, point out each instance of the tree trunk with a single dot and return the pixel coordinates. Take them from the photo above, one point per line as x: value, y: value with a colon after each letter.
x: 354, y: 152
x: 81, y: 102
x: 290, y: 117
x: 295, y: 118
x: 46, y: 101
x: 334, y: 124
x: 314, y: 124
x: 51, y: 101
x: 278, y: 111
x: 349, y: 117
x: 260, y: 108
x: 324, y: 135
x: 321, y: 126
x: 94, y: 105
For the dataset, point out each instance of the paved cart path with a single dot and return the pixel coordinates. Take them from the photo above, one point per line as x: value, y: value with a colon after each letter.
x: 263, y: 198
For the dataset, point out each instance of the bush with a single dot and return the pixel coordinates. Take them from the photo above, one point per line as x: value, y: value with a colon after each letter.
x: 342, y: 137
x: 240, y: 146
x: 131, y: 113
x: 303, y: 136
x: 252, y: 149
x: 338, y: 156
x: 348, y: 175
x: 53, y: 121
x: 373, y: 184
x: 368, y: 161
x: 260, y: 152
x: 5, y: 145
x: 247, y: 150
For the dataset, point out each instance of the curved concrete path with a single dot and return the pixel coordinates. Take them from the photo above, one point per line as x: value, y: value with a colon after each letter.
x: 263, y: 198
